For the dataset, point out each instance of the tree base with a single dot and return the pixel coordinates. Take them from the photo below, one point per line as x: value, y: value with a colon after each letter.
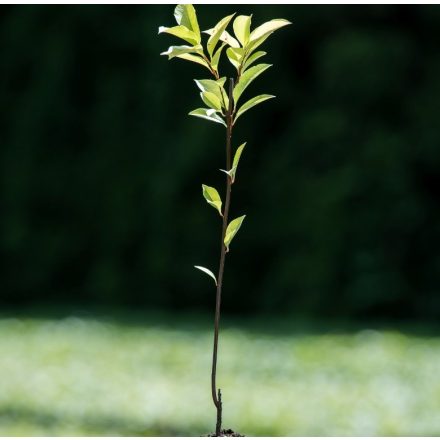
x: 227, y: 433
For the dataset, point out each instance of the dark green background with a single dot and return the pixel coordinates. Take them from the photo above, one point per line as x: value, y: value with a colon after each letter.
x: 101, y: 167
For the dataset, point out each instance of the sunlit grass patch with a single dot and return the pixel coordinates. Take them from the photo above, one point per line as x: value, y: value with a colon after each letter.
x: 93, y: 377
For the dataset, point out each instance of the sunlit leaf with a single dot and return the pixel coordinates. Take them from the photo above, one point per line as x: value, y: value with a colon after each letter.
x: 237, y: 156
x: 235, y: 56
x: 208, y: 85
x: 211, y: 100
x: 232, y: 229
x: 216, y: 57
x: 174, y: 51
x: 181, y: 32
x: 225, y: 98
x: 252, y: 45
x: 229, y: 39
x: 208, y: 114
x: 251, y: 59
x: 221, y: 81
x: 225, y: 37
x: 216, y: 33
x: 185, y: 15
x: 267, y: 28
x: 194, y: 58
x: 212, y: 196
x: 242, y: 25
x: 207, y: 271
x: 263, y: 32
x: 251, y: 103
x: 215, y: 87
x: 247, y: 78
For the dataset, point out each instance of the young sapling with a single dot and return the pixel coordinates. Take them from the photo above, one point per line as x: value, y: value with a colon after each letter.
x: 222, y: 99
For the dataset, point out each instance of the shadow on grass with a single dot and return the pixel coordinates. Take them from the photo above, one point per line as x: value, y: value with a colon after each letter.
x: 91, y: 424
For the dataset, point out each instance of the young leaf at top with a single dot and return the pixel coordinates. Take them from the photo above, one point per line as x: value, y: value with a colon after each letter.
x: 251, y: 103
x: 212, y: 197
x: 247, y: 78
x: 242, y: 26
x: 185, y: 15
x: 232, y: 229
x: 260, y: 34
x: 207, y: 271
x: 268, y: 28
x: 225, y: 37
x: 208, y: 114
x: 252, y: 45
x: 181, y: 32
x: 217, y: 32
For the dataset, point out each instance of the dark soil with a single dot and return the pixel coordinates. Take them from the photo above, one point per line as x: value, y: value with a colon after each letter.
x: 227, y: 433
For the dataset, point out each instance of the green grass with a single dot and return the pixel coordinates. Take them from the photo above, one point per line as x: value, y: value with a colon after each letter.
x: 73, y: 377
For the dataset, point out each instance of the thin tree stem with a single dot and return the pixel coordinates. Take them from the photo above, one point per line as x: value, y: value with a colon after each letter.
x: 216, y: 396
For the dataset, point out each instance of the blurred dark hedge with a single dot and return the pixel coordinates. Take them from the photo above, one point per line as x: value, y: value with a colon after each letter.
x: 101, y: 167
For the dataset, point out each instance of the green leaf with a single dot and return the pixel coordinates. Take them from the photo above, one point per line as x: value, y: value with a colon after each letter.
x: 207, y: 271
x: 267, y: 28
x: 185, y: 15
x: 209, y: 85
x: 211, y: 100
x: 251, y: 59
x: 174, y: 51
x: 237, y: 156
x: 235, y: 56
x: 221, y: 81
x: 217, y: 32
x: 194, y: 58
x: 252, y: 45
x: 209, y: 114
x: 215, y: 87
x: 263, y: 32
x: 251, y: 103
x: 226, y: 37
x: 216, y: 57
x: 247, y: 78
x: 242, y: 27
x: 212, y: 197
x: 232, y: 229
x: 225, y: 99
x: 232, y: 171
x: 181, y: 32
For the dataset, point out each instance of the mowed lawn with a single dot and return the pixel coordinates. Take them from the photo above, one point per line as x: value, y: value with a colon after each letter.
x: 88, y: 376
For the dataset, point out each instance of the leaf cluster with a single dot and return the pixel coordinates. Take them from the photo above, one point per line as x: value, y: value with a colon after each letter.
x: 241, y: 52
